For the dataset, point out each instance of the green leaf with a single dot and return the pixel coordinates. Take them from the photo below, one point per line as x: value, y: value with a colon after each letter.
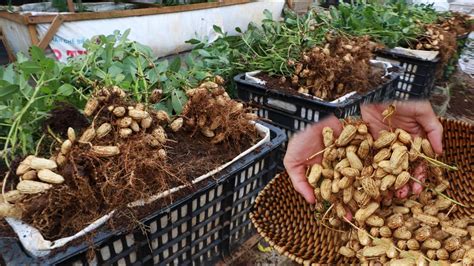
x: 115, y: 69
x: 178, y: 100
x: 7, y: 90
x: 162, y: 66
x: 9, y: 74
x: 30, y: 67
x: 119, y: 78
x: 66, y: 89
x: 36, y: 53
x: 204, y: 53
x: 175, y: 64
x: 217, y: 29
x: 268, y: 14
x: 200, y: 75
x: 193, y: 41
x: 163, y: 106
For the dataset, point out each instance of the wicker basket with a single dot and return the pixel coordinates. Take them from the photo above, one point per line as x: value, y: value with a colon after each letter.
x: 289, y: 224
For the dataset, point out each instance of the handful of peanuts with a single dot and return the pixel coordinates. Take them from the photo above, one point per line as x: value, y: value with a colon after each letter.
x: 371, y: 178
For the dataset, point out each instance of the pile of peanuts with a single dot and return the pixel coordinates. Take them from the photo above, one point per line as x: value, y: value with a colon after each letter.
x: 371, y: 178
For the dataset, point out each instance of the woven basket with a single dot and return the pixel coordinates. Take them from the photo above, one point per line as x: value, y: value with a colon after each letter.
x: 289, y: 224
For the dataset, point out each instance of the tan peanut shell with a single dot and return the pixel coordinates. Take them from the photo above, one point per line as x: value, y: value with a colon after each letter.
x: 88, y: 135
x: 146, y: 122
x: 453, y: 243
x: 103, y: 130
x: 119, y: 111
x: 71, y: 134
x: 344, y: 163
x: 176, y: 124
x: 384, y: 231
x: 335, y: 185
x: 124, y: 122
x: 394, y: 221
x: 347, y: 194
x: 135, y: 126
x: 328, y: 137
x: 91, y: 106
x: 344, y: 182
x: 427, y: 219
x: 346, y: 252
x: 49, y: 176
x: 363, y: 150
x: 431, y: 243
x: 401, y: 209
x: 137, y: 114
x: 105, y: 151
x: 442, y: 254
x: 381, y: 155
x: 374, y: 251
x: 326, y: 189
x: 403, y: 136
x: 315, y: 174
x: 387, y: 182
x: 397, y: 156
x: 363, y: 213
x: 32, y: 187
x: 364, y: 238
x: 350, y: 172
x: 327, y: 173
x: 384, y: 140
x: 162, y: 116
x: 375, y: 220
x: 412, y: 244
x: 354, y: 160
x: 370, y: 187
x: 61, y: 159
x: 402, y: 179
x: 160, y: 134
x: 42, y: 163
x: 402, y: 233
x: 125, y: 132
x: 454, y: 231
x: 427, y: 149
x: 22, y: 169
x: 361, y: 197
x: 347, y: 134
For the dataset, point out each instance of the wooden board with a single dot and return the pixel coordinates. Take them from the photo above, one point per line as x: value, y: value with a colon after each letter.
x: 30, y: 19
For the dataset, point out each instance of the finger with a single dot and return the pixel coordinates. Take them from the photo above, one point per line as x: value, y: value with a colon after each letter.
x: 300, y: 183
x: 431, y: 125
x: 402, y: 193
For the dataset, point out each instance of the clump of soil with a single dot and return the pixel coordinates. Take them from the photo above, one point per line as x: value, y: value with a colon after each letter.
x: 462, y: 97
x: 341, y: 66
x: 64, y: 116
x: 97, y: 183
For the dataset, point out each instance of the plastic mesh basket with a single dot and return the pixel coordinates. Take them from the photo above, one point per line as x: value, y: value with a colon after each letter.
x: 289, y: 224
x: 198, y: 229
x: 294, y: 112
x: 417, y: 80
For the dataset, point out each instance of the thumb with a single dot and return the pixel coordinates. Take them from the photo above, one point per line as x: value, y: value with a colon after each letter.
x: 300, y: 182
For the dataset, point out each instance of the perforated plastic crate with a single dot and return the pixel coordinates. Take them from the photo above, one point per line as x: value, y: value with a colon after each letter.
x: 198, y: 229
x: 294, y: 112
x: 418, y: 77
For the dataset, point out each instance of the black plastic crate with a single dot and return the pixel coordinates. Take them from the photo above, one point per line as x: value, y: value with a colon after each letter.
x: 294, y: 112
x: 417, y: 80
x: 198, y: 229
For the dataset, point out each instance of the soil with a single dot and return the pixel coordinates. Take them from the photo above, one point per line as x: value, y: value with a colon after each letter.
x: 462, y: 97
x: 64, y: 116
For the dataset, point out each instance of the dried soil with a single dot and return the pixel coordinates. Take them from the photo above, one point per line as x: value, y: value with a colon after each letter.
x: 462, y: 96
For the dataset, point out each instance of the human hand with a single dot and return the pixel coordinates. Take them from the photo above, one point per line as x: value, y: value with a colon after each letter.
x: 416, y: 118
x: 300, y: 148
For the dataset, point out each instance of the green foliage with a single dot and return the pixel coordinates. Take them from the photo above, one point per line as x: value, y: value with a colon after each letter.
x: 393, y: 23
